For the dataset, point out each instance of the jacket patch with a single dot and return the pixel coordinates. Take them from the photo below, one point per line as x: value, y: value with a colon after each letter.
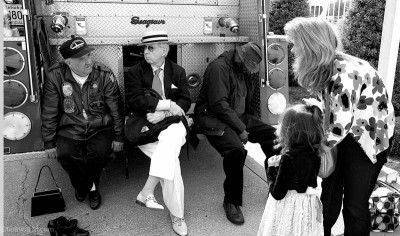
x: 95, y: 86
x: 67, y: 89
x: 69, y: 106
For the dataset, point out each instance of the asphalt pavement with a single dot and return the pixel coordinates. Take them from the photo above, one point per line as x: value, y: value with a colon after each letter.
x: 203, y: 177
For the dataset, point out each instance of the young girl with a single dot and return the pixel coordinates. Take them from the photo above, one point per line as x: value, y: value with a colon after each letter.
x: 293, y: 207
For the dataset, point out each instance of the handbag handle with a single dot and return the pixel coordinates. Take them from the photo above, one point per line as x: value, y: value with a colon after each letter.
x: 40, y: 172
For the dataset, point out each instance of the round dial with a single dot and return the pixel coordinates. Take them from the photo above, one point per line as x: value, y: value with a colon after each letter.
x: 16, y: 126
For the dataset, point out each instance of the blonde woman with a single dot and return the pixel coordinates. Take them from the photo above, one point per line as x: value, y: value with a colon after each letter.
x: 361, y: 119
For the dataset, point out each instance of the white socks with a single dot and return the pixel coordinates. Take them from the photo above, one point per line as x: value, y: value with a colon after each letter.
x: 93, y: 188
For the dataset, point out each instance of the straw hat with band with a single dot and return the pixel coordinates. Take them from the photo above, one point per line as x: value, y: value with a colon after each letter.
x: 160, y: 36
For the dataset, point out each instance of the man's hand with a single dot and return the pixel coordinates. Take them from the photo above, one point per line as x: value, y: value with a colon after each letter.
x: 176, y: 110
x: 117, y: 146
x: 51, y: 153
x: 244, y: 136
x: 274, y: 161
x: 155, y: 117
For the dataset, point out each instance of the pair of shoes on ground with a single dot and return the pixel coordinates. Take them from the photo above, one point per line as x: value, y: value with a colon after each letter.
x: 94, y: 198
x: 61, y: 226
x: 149, y: 201
x: 233, y: 213
x: 178, y: 224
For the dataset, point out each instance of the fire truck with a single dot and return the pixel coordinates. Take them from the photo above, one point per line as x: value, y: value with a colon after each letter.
x: 200, y: 31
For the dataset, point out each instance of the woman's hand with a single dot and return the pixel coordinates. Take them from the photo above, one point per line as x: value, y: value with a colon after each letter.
x: 274, y: 161
x: 313, y: 102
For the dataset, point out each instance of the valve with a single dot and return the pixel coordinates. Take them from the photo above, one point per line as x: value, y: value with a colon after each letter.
x: 230, y: 23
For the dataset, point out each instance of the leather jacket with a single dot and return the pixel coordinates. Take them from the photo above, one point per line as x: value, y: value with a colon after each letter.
x: 63, y: 103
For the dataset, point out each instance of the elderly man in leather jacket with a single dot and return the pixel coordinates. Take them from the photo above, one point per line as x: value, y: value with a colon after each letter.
x: 224, y: 114
x: 82, y: 117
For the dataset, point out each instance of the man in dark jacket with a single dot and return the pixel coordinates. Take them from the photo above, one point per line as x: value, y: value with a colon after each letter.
x: 82, y: 117
x: 169, y: 80
x: 224, y: 114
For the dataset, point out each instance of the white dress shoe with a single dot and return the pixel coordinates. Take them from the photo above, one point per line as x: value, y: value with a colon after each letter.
x: 179, y: 225
x: 149, y: 202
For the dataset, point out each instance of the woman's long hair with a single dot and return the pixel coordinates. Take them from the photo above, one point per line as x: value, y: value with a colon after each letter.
x: 300, y: 125
x: 315, y: 48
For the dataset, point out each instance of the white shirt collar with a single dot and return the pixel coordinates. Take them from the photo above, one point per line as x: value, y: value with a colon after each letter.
x: 154, y: 68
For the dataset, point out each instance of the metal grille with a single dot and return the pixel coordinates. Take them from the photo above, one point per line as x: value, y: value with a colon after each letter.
x: 154, y: 10
x: 195, y: 58
x: 136, y: 40
x: 194, y: 2
x: 248, y: 20
x: 114, y: 20
x: 109, y: 55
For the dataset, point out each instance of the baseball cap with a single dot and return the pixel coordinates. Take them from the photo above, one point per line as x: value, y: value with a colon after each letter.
x: 251, y: 56
x: 74, y: 48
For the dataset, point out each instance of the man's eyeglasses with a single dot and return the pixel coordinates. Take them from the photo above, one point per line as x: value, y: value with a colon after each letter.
x: 150, y: 48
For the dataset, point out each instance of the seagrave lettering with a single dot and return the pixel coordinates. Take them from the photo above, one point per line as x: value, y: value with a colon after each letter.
x: 137, y: 21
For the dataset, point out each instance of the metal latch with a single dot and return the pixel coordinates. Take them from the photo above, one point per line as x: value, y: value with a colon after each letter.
x: 261, y: 17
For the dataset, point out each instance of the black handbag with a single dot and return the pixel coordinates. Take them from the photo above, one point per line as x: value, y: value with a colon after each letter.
x: 138, y: 130
x: 48, y: 201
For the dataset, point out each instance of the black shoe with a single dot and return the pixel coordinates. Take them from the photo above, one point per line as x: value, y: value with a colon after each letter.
x: 78, y: 197
x: 52, y: 225
x: 233, y: 213
x: 94, y: 199
x: 63, y: 226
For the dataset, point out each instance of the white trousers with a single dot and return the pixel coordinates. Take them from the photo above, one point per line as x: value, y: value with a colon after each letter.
x: 165, y: 164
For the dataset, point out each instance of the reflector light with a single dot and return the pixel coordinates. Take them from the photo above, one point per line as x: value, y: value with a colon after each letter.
x: 276, y: 54
x: 16, y: 126
x: 15, y: 93
x: 14, y: 62
x: 276, y: 103
x: 193, y: 80
x: 276, y: 78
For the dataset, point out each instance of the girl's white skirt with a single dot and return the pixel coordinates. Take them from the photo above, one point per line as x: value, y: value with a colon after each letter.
x: 297, y: 214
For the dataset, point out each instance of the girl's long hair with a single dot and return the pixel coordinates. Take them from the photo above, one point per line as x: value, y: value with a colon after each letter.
x: 300, y: 125
x: 315, y: 47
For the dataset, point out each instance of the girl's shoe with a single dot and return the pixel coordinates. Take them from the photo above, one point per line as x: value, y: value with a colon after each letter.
x: 149, y: 202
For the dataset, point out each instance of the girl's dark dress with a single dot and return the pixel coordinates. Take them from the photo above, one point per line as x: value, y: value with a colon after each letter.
x: 293, y: 207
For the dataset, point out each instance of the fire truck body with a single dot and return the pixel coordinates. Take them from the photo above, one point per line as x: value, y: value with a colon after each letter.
x: 200, y: 30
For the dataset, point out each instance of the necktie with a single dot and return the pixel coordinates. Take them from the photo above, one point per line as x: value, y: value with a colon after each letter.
x: 157, y: 86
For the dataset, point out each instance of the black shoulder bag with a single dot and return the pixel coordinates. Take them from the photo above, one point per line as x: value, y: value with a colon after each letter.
x: 48, y: 201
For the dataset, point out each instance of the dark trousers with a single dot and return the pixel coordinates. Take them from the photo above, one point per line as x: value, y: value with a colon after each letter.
x: 234, y: 155
x: 84, y: 160
x: 354, y: 178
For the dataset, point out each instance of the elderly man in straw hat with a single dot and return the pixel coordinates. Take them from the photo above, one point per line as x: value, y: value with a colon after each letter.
x: 169, y: 80
x: 224, y: 114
